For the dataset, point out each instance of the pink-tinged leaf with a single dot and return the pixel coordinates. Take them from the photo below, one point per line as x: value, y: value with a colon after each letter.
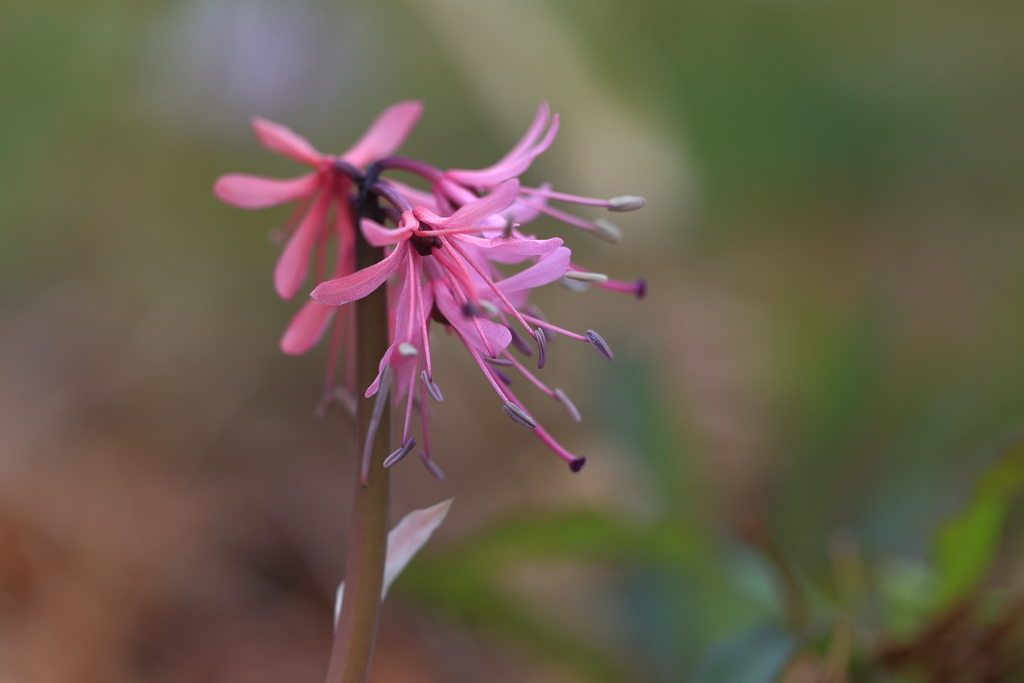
x: 306, y: 328
x: 379, y: 236
x: 494, y: 337
x: 362, y: 282
x: 286, y: 142
x: 292, y: 266
x: 385, y: 134
x: 470, y: 214
x: 255, y: 192
x: 512, y: 246
x: 548, y: 269
x: 404, y: 541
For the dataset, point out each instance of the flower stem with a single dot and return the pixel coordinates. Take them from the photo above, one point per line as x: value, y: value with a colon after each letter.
x: 367, y: 544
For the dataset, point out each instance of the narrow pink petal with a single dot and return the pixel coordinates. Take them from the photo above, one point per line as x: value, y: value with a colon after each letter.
x: 306, y: 328
x: 286, y: 142
x: 532, y: 133
x: 256, y: 192
x: 362, y: 282
x: 472, y: 213
x: 513, y: 246
x: 495, y: 337
x: 509, y: 167
x: 548, y: 269
x: 385, y: 134
x: 375, y: 384
x: 379, y: 236
x: 293, y: 264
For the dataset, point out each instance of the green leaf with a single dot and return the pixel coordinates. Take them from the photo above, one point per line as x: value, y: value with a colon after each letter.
x: 756, y: 656
x: 966, y: 543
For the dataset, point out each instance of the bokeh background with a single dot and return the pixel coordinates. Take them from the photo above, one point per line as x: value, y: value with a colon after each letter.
x: 829, y: 354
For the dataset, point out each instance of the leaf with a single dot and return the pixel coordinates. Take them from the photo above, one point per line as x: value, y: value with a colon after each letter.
x: 404, y: 541
x: 966, y: 543
x: 756, y: 656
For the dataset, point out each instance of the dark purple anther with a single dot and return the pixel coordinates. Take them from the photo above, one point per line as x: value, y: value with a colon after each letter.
x: 542, y: 347
x: 599, y: 344
x: 518, y: 415
x: 503, y: 362
x: 431, y: 466
x: 641, y: 287
x: 503, y: 377
x: 521, y: 344
x: 577, y: 463
x: 400, y: 453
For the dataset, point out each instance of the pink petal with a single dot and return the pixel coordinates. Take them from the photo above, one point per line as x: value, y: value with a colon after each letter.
x: 379, y: 236
x: 548, y: 269
x: 375, y: 384
x: 472, y: 213
x: 497, y: 336
x: 512, y: 246
x: 286, y: 142
x: 519, y: 157
x: 362, y: 282
x: 306, y: 328
x: 293, y: 264
x: 385, y: 134
x: 255, y: 192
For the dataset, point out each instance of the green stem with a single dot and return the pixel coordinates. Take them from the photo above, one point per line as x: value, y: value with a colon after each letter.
x: 367, y: 544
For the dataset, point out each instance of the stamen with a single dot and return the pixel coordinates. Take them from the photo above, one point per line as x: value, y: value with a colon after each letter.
x: 626, y: 202
x: 506, y: 232
x: 488, y: 308
x: 506, y: 380
x: 375, y: 417
x: 408, y: 350
x: 641, y: 287
x: 432, y: 387
x: 400, y: 453
x: 599, y: 344
x: 469, y: 310
x: 577, y: 463
x: 584, y: 276
x: 503, y: 362
x: 432, y: 466
x: 520, y: 343
x: 541, y: 337
x: 607, y: 231
x: 518, y: 415
x: 569, y: 406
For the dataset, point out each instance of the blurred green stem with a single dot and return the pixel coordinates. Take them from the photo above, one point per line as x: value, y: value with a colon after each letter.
x: 364, y: 567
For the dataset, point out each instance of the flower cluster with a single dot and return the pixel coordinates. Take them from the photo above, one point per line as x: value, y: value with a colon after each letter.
x: 442, y: 248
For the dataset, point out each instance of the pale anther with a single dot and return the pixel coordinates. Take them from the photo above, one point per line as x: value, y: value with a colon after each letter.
x: 599, y: 344
x: 407, y: 349
x: 432, y: 388
x: 518, y: 415
x: 431, y: 466
x: 569, y: 406
x: 626, y: 202
x: 400, y: 453
x: 488, y: 308
x: 573, y: 285
x: 607, y: 231
x: 584, y: 276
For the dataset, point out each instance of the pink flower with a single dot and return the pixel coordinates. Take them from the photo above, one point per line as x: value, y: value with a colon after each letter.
x: 326, y: 187
x: 439, y: 264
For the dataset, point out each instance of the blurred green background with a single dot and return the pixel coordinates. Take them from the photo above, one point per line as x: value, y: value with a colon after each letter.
x: 828, y: 357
